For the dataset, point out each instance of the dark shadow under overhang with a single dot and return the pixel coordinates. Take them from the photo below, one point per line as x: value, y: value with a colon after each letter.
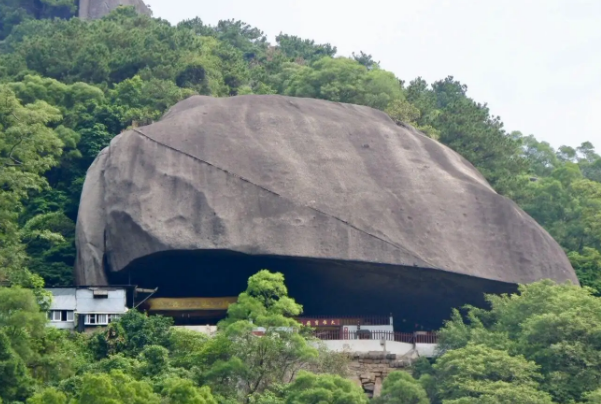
x: 412, y: 295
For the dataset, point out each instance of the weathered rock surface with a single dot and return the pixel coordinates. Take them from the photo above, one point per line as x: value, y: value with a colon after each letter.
x: 94, y: 9
x: 368, y: 371
x: 280, y: 176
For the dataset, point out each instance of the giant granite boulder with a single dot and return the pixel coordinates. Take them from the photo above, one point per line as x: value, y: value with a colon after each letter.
x: 270, y: 175
x: 95, y: 9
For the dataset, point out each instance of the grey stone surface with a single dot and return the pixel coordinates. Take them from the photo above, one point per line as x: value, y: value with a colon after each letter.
x: 94, y: 9
x: 273, y: 175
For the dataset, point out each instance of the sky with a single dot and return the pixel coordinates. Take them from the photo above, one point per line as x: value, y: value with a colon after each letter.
x: 536, y: 63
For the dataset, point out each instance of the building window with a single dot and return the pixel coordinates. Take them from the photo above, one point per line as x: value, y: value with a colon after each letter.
x: 101, y: 319
x: 61, y: 315
x: 100, y: 294
x: 96, y: 319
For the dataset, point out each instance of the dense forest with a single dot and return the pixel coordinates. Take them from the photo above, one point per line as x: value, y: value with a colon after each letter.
x: 67, y: 87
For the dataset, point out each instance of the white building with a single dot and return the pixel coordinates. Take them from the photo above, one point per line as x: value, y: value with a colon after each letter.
x: 86, y: 308
x: 62, y: 309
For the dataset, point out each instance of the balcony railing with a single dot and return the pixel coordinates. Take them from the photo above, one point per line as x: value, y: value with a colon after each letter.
x: 416, y: 338
x: 426, y: 338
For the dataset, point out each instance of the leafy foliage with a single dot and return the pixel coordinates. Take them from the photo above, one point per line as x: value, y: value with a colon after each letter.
x: 553, y: 327
x: 142, y: 359
x: 68, y: 87
x: 237, y: 362
x: 13, y: 373
x: 264, y: 303
x: 132, y: 335
x: 475, y: 373
x: 310, y: 388
x: 14, y: 12
x: 89, y: 94
x: 401, y: 388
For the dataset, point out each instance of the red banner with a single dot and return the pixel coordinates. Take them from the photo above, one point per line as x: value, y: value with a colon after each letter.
x: 319, y: 322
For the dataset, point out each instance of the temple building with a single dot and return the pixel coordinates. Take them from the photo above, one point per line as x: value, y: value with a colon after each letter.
x: 190, y: 310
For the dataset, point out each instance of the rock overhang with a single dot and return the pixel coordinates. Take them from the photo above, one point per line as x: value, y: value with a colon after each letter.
x: 300, y: 178
x: 412, y: 295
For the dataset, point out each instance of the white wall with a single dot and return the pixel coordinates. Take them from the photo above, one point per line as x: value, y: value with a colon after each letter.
x: 367, y: 345
x: 62, y: 325
x: 427, y: 350
x: 348, y: 345
x: 62, y: 299
x: 209, y: 330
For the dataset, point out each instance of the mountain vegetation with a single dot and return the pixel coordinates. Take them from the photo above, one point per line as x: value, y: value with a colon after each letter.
x: 67, y: 87
x: 538, y: 346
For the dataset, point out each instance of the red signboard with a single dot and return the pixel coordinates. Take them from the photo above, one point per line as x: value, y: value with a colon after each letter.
x: 319, y: 322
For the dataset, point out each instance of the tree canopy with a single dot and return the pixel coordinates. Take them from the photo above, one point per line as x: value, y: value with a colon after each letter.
x: 547, y: 332
x: 68, y: 87
x: 77, y: 84
x: 143, y: 359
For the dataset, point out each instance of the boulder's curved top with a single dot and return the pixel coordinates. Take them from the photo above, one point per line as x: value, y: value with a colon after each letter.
x: 273, y: 175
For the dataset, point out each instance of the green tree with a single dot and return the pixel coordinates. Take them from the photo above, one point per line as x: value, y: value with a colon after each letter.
x: 15, y: 382
x: 468, y: 128
x: 506, y: 394
x: 67, y: 87
x: 183, y: 344
x: 14, y: 12
x: 381, y: 89
x: 310, y: 388
x: 111, y: 50
x: 241, y: 35
x: 59, y: 355
x: 552, y: 326
x: 345, y: 80
x: 21, y: 320
x: 401, y: 388
x: 541, y: 155
x: 28, y: 148
x: 335, y: 79
x: 254, y: 364
x: 366, y: 60
x: 131, y: 334
x: 117, y: 362
x: 568, y: 205
x: 265, y: 302
x: 114, y: 388
x: 594, y: 397
x: 238, y: 363
x: 588, y: 267
x: 586, y: 158
x: 145, y: 101
x: 181, y: 391
x: 477, y: 372
x: 48, y: 396
x: 402, y: 110
x: 154, y: 360
x: 298, y: 49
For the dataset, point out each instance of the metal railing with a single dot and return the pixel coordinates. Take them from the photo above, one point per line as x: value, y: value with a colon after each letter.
x: 416, y: 338
x: 426, y: 338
